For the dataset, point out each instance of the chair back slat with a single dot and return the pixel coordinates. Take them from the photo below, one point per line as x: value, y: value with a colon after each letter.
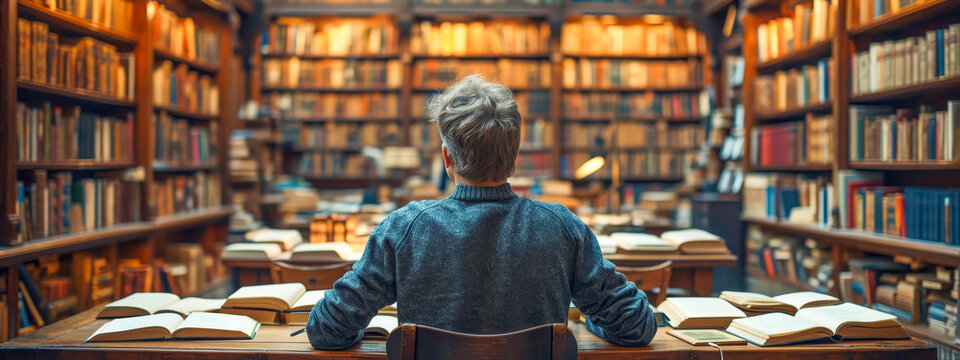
x: 544, y: 342
x: 648, y: 278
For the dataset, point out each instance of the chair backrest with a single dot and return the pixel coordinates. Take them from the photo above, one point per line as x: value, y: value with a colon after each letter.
x: 648, y: 278
x: 544, y: 342
x: 312, y: 277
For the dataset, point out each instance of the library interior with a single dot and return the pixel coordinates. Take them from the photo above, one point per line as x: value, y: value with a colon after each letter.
x: 479, y: 179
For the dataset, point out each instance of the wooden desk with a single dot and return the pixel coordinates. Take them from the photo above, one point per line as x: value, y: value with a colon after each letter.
x: 64, y: 340
x: 690, y: 272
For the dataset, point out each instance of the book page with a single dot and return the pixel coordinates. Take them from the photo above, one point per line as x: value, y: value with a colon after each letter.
x: 193, y: 304
x: 774, y: 324
x: 151, y: 302
x: 638, y: 241
x: 251, y: 250
x: 748, y: 297
x: 688, y: 235
x: 341, y: 249
x: 214, y: 321
x: 835, y: 316
x: 704, y: 307
x: 381, y: 325
x: 799, y: 299
x: 166, y: 321
x: 308, y: 300
x: 288, y: 292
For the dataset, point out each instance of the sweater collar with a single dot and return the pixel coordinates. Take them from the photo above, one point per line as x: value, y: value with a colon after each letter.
x: 478, y: 193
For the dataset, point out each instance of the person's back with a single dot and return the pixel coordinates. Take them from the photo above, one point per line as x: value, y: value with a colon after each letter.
x: 482, y: 260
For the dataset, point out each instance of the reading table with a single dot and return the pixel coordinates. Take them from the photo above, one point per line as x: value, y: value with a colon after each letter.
x: 64, y: 340
x: 693, y: 272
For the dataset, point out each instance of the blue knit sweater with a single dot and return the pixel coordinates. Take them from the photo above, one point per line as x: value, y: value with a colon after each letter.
x: 482, y: 261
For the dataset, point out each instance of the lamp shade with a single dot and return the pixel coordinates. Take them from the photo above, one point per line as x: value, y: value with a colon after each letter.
x: 589, y: 167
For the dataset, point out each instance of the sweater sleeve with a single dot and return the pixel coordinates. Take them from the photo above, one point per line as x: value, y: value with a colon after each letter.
x: 338, y: 320
x: 616, y: 310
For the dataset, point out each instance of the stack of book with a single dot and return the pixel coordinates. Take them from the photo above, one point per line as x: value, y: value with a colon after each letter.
x: 178, y: 193
x: 56, y: 203
x: 793, y: 143
x: 180, y: 142
x: 333, y: 105
x: 812, y: 23
x: 331, y: 73
x: 592, y: 105
x: 84, y: 64
x: 522, y: 74
x: 51, y: 133
x: 330, y: 37
x: 185, y: 89
x: 592, y: 37
x: 802, y: 261
x: 892, y: 64
x: 789, y: 197
x: 242, y: 165
x: 879, y: 133
x: 794, y: 88
x: 607, y: 73
x: 479, y: 38
x: 181, y: 36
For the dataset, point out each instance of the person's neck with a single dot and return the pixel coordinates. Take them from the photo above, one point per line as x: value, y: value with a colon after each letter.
x: 457, y: 179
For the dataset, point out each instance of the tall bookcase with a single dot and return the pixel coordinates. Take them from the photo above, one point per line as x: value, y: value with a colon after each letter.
x: 852, y: 35
x: 137, y: 175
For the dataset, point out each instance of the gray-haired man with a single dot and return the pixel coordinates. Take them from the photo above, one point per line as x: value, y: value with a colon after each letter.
x: 483, y: 260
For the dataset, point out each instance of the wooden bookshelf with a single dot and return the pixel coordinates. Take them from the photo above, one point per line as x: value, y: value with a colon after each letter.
x: 77, y: 95
x: 197, y: 65
x: 794, y: 168
x: 183, y: 168
x: 330, y: 57
x: 306, y: 88
x: 799, y: 112
x: 807, y: 55
x: 59, y: 20
x: 177, y: 112
x: 484, y: 57
x: 74, y: 165
x: 902, y: 165
x: 942, y: 85
x: 650, y: 118
x: 622, y: 89
x: 634, y: 57
x: 913, y: 14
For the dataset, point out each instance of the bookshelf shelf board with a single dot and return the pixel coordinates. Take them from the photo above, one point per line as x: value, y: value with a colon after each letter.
x: 79, y: 95
x: 634, y: 89
x: 186, y: 113
x: 328, y: 149
x: 320, y: 8
x: 330, y: 89
x: 929, y: 252
x: 193, y: 64
x: 823, y: 107
x: 911, y: 91
x: 62, y: 21
x: 75, y: 165
x: 801, y: 167
x: 512, y: 88
x: 323, y: 119
x: 713, y: 6
x: 636, y: 57
x: 923, y: 332
x: 542, y: 56
x: 337, y: 57
x: 470, y: 10
x: 32, y: 249
x: 807, y: 55
x: 755, y: 272
x: 649, y: 118
x: 192, y: 218
x: 890, y: 165
x: 181, y: 168
x: 628, y: 9
x: 905, y: 18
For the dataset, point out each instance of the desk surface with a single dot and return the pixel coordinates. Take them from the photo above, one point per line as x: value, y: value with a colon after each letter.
x: 64, y: 340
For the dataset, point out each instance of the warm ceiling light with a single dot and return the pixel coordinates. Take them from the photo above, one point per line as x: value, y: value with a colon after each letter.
x: 653, y: 19
x: 589, y: 167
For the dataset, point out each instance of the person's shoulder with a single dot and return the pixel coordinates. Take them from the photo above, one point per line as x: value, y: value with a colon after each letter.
x: 410, y: 211
x: 556, y: 210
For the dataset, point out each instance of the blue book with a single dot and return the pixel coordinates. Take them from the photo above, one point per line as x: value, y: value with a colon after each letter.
x: 902, y: 315
x: 878, y: 8
x: 789, y: 199
x: 66, y: 206
x: 932, y: 139
x: 771, y: 202
x: 893, y: 144
x: 940, y: 53
x: 908, y: 212
x: 955, y: 218
x: 824, y: 70
x: 878, y: 210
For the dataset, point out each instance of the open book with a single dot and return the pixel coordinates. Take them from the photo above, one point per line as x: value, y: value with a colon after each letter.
x: 639, y: 242
x: 168, y: 326
x: 696, y: 241
x: 699, y: 312
x: 380, y: 327
x: 324, y: 252
x: 276, y: 297
x: 250, y: 251
x: 287, y: 239
x: 300, y: 310
x: 789, y: 303
x: 840, y: 321
x: 139, y: 304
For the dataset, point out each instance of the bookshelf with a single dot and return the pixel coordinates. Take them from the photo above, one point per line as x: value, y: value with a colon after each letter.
x: 857, y: 170
x: 117, y: 110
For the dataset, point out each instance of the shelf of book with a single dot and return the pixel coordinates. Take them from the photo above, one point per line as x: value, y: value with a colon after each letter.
x: 189, y: 219
x: 78, y: 95
x: 758, y: 273
x: 923, y: 332
x: 634, y: 89
x: 929, y: 252
x: 512, y: 88
x: 66, y: 243
x: 483, y: 56
x: 74, y: 165
x: 193, y: 64
x: 339, y: 119
x: 798, y: 167
x: 635, y: 57
x: 942, y: 85
x: 305, y: 88
x: 807, y: 55
x: 64, y: 21
x: 467, y: 9
x: 329, y: 57
x: 628, y: 9
x: 799, y: 112
x: 186, y: 113
x: 910, y: 15
x: 328, y: 149
x: 323, y: 8
x: 666, y: 179
x: 648, y: 118
x: 179, y: 168
x: 885, y: 165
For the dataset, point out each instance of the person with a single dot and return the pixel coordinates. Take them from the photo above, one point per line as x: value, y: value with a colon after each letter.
x: 482, y: 260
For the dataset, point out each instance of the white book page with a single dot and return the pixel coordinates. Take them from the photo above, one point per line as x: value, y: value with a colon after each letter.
x: 166, y: 321
x: 308, y: 300
x: 288, y: 292
x: 151, y: 302
x: 836, y: 315
x: 270, y: 250
x: 799, y: 299
x: 704, y: 307
x: 749, y: 296
x: 774, y: 324
x: 342, y: 249
x: 382, y: 324
x: 193, y: 304
x: 215, y: 321
x: 683, y: 236
x: 631, y: 241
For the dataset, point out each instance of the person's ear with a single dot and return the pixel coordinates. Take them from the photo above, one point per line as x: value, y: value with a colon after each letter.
x: 447, y: 162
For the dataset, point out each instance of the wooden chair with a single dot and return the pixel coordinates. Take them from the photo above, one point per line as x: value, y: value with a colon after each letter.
x: 550, y: 341
x: 313, y: 277
x: 649, y: 278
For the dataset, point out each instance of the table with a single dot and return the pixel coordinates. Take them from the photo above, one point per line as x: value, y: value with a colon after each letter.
x: 64, y: 340
x: 693, y: 272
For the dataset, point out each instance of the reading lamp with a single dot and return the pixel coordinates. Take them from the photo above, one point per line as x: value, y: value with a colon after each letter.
x: 598, y: 158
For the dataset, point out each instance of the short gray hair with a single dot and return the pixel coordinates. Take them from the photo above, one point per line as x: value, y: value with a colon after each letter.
x: 480, y: 125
